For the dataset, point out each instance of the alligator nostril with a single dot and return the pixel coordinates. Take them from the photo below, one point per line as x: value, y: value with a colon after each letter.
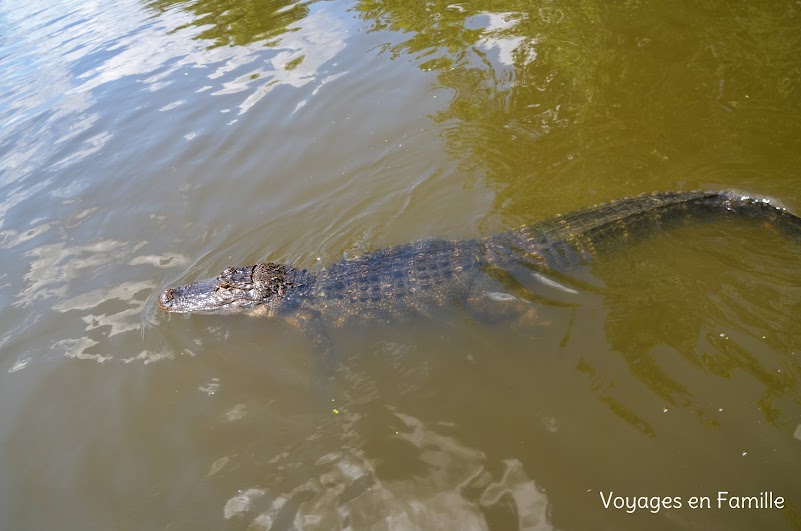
x: 166, y: 298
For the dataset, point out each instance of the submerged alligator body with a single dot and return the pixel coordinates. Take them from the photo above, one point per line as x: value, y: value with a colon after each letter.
x: 491, y: 277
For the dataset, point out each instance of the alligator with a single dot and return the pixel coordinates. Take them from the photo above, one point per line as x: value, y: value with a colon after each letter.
x: 493, y: 277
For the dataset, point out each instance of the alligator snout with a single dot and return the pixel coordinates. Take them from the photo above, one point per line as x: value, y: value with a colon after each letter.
x: 166, y: 298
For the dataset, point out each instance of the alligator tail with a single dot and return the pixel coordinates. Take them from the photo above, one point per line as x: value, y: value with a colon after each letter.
x: 576, y: 237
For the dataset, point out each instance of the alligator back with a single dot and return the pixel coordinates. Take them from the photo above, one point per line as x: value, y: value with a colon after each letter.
x: 484, y: 274
x: 399, y: 282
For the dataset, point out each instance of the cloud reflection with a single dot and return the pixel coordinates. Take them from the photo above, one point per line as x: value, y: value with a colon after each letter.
x: 500, y: 36
x: 76, y: 348
x: 122, y: 321
x: 295, y: 59
x: 54, y: 266
x: 460, y: 487
x: 70, y: 278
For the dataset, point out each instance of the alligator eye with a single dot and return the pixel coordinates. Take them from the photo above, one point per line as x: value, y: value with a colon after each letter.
x: 228, y: 271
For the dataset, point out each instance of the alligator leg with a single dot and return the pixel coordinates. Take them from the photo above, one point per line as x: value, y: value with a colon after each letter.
x: 496, y: 296
x: 324, y: 359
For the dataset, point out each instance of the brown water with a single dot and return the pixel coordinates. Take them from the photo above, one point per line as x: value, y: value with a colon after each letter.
x: 149, y: 143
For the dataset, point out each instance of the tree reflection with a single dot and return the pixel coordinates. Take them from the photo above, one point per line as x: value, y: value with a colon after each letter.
x: 726, y: 310
x: 235, y: 23
x: 582, y: 100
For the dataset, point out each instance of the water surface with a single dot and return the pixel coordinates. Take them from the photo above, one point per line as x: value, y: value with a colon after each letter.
x: 145, y: 144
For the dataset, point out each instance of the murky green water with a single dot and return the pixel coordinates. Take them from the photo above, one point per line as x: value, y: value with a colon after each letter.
x: 149, y: 143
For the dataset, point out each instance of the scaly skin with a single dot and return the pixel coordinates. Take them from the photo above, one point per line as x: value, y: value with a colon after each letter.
x: 480, y: 276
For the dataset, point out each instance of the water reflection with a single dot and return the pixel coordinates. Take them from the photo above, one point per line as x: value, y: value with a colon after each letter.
x: 232, y: 23
x: 149, y: 140
x: 64, y: 277
x: 121, y: 321
x: 453, y: 486
x: 729, y: 315
x: 36, y: 85
x: 299, y: 61
x: 67, y: 68
x: 245, y: 37
x: 594, y: 96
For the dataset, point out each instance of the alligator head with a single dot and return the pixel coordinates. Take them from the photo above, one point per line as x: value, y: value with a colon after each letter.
x: 236, y: 288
